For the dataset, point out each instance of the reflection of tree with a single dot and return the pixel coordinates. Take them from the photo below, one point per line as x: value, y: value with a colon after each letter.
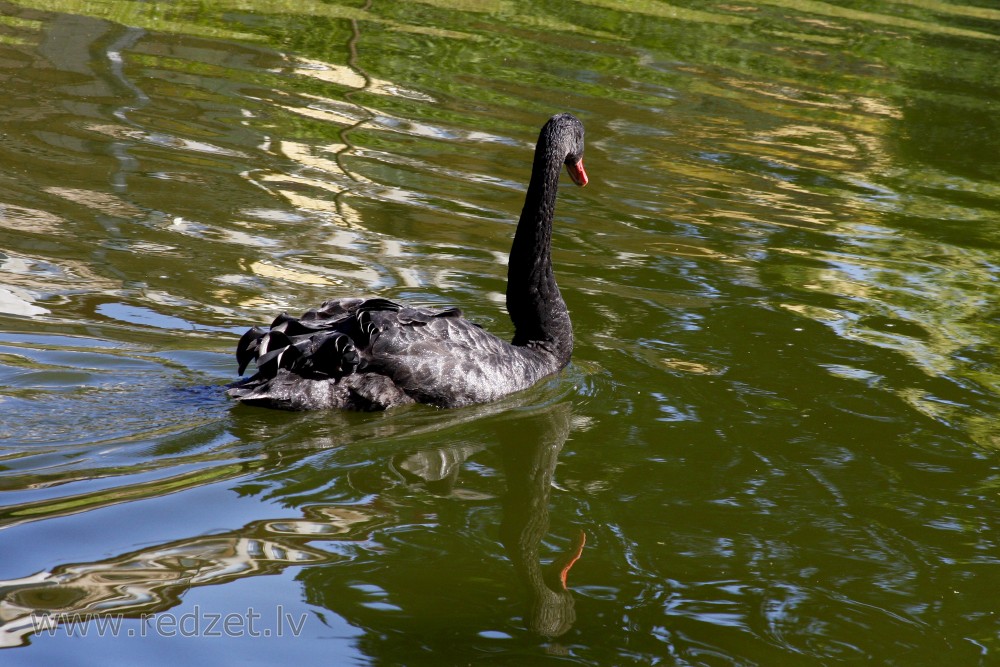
x: 864, y: 205
x: 154, y: 579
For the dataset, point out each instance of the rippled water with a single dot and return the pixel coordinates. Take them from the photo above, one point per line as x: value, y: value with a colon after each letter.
x: 776, y: 443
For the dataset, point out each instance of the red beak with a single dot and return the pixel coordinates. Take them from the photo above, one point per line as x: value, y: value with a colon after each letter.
x: 577, y: 173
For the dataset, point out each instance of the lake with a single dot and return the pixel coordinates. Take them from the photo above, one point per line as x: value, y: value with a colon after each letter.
x: 777, y: 441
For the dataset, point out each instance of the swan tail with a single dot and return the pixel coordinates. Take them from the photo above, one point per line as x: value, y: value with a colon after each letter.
x: 324, y: 343
x: 325, y: 354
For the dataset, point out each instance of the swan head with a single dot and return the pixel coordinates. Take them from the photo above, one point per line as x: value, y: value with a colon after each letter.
x: 564, y: 136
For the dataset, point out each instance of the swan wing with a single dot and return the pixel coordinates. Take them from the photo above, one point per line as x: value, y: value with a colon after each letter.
x: 443, y: 359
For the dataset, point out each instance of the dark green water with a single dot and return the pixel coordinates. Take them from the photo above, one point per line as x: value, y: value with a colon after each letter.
x: 778, y: 436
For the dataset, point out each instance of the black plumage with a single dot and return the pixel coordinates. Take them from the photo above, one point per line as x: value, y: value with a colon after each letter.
x: 373, y: 354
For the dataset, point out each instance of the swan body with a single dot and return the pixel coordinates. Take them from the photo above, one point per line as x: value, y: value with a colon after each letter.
x: 374, y: 354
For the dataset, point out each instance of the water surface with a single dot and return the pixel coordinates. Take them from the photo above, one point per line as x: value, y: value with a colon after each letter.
x: 776, y: 443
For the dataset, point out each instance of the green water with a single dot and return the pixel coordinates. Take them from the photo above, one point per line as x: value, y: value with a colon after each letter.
x: 778, y: 435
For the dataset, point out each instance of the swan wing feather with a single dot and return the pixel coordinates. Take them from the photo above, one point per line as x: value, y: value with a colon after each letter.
x: 381, y: 354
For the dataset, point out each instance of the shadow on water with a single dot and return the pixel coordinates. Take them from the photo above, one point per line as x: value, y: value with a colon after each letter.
x: 344, y: 536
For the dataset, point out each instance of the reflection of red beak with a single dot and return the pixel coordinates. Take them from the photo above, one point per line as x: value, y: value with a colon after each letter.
x: 569, y: 559
x: 577, y: 173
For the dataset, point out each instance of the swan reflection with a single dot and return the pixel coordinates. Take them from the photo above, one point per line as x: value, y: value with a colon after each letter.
x: 529, y: 454
x: 154, y: 579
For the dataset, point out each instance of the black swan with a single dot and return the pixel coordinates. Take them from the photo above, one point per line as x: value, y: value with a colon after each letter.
x: 374, y: 354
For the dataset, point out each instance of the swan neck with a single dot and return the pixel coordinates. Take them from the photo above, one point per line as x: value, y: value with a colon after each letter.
x: 534, y: 302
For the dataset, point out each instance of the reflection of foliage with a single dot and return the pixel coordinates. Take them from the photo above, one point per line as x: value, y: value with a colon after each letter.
x: 819, y: 106
x: 500, y: 42
x: 784, y: 277
x: 162, y: 17
x: 955, y: 135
